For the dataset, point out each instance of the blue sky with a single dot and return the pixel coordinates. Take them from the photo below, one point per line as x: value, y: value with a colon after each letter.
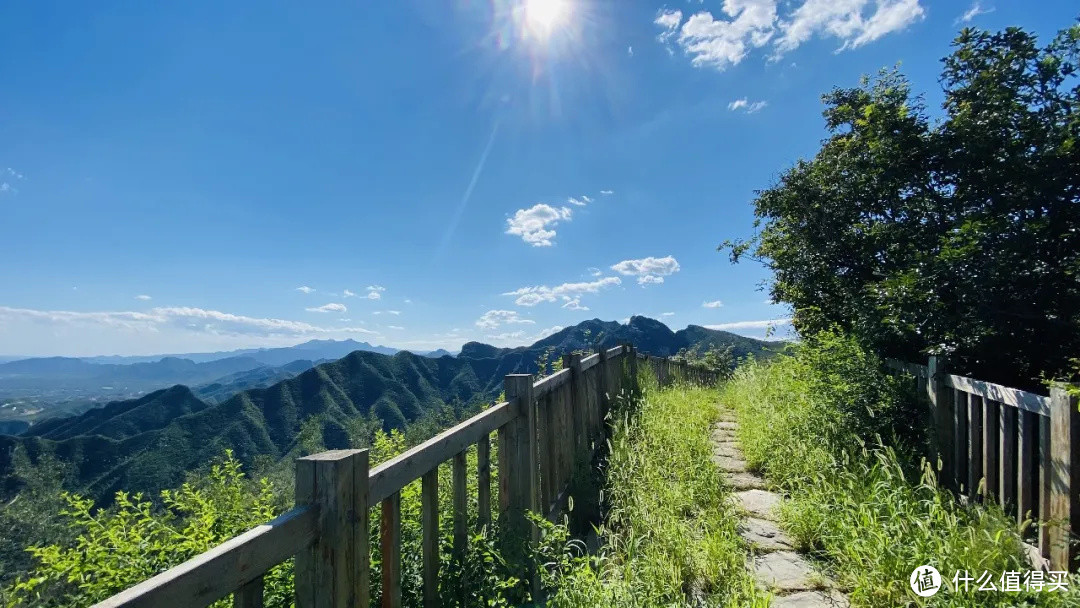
x: 209, y: 175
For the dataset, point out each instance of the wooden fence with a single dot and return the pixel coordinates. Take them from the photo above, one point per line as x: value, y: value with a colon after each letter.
x: 1018, y: 448
x: 543, y: 428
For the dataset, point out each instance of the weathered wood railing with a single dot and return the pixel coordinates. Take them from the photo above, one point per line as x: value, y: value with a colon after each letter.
x: 543, y: 429
x: 1018, y: 448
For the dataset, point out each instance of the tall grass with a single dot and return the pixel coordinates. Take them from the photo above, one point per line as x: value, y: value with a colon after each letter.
x: 668, y: 534
x: 840, y: 437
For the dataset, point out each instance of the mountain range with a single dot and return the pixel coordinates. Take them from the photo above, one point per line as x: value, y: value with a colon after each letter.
x: 149, y: 443
x: 36, y: 388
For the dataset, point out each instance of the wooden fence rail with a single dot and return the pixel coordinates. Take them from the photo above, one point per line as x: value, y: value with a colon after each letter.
x: 1017, y: 448
x: 544, y: 429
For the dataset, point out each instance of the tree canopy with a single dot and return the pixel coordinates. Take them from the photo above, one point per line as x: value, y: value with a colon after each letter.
x: 957, y: 236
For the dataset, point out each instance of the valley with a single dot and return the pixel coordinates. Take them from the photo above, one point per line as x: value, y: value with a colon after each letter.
x: 151, y: 441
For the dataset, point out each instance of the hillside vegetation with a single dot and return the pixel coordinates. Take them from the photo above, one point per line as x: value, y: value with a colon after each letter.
x: 148, y: 444
x: 831, y: 430
x: 669, y: 529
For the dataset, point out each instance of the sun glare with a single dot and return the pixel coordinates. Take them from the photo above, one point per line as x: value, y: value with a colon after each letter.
x: 542, y: 16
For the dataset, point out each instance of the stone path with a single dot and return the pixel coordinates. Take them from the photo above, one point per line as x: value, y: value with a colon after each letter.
x: 777, y: 568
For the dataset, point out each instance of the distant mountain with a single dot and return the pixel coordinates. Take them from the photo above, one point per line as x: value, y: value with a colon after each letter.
x: 54, y: 373
x: 312, y: 350
x: 648, y: 335
x: 149, y: 443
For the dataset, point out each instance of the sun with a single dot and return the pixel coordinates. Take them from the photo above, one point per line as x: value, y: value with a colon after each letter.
x: 543, y: 16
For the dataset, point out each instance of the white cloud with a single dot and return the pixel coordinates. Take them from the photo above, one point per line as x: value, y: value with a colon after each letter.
x: 6, y: 186
x: 305, y: 289
x: 607, y: 192
x: 722, y: 43
x: 975, y: 10
x: 669, y: 21
x: 573, y: 303
x: 543, y: 333
x: 648, y: 270
x: 376, y: 288
x: 594, y: 271
x: 846, y: 21
x: 534, y: 224
x: 398, y: 327
x: 748, y: 106
x: 630, y: 50
x: 494, y: 318
x: 331, y: 307
x: 580, y: 202
x: 375, y: 292
x: 751, y: 324
x: 667, y: 314
x: 347, y: 294
x: 713, y: 304
x: 505, y: 336
x: 143, y: 297
x: 389, y: 312
x: 408, y: 301
x: 743, y: 25
x: 179, y: 318
x: 531, y: 296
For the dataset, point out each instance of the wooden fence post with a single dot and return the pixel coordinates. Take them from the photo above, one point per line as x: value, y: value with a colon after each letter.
x: 525, y: 487
x: 578, y: 407
x: 631, y: 352
x: 601, y: 384
x: 390, y: 545
x: 429, y: 544
x: 942, y: 417
x: 483, y: 482
x: 1065, y: 481
x: 332, y: 572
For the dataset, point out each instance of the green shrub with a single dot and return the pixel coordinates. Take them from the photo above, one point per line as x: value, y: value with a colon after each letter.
x: 134, y: 539
x: 813, y: 420
x: 669, y: 536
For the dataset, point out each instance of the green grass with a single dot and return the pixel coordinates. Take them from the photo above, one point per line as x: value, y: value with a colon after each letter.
x: 812, y: 422
x: 669, y: 534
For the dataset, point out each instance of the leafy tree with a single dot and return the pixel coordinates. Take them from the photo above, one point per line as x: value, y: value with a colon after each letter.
x: 714, y: 358
x: 32, y: 516
x: 958, y: 237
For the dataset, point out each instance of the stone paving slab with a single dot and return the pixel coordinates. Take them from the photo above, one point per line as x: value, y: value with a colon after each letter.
x: 759, y: 503
x: 719, y: 433
x: 727, y: 449
x: 728, y: 425
x: 785, y: 571
x: 729, y: 464
x: 811, y: 599
x: 764, y: 534
x: 746, y: 481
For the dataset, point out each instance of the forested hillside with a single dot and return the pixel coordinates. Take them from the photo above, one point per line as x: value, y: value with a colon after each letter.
x: 149, y: 443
